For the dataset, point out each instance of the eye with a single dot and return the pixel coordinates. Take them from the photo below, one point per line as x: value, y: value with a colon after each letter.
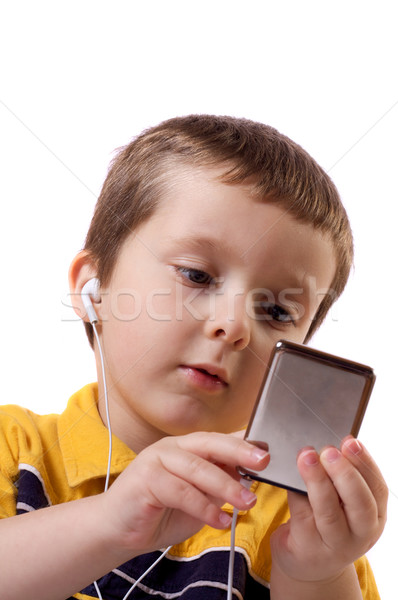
x: 274, y: 312
x: 196, y: 276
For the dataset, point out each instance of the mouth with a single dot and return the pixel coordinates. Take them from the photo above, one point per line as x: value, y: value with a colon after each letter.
x: 214, y: 375
x: 206, y: 376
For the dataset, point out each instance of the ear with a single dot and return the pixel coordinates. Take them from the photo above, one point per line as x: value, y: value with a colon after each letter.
x: 81, y: 270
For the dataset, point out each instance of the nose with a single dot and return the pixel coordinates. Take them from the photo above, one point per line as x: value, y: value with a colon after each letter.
x: 229, y: 321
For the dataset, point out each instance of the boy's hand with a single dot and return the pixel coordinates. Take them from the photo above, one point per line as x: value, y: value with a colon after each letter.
x: 341, y: 519
x: 177, y: 485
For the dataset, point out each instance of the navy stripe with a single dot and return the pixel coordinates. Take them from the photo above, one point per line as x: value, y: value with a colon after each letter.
x: 30, y: 491
x: 181, y: 579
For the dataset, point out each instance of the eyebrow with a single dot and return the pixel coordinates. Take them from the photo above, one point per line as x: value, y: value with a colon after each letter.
x: 197, y: 242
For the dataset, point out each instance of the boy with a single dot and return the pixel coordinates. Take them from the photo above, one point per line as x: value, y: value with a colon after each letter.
x: 212, y: 239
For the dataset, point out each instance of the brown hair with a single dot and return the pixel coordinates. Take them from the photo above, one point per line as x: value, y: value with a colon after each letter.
x: 282, y: 171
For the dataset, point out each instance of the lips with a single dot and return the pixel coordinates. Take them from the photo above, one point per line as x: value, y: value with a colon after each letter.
x: 209, y: 377
x: 214, y: 375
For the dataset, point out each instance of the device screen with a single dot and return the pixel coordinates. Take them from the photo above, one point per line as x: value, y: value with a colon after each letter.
x: 308, y: 398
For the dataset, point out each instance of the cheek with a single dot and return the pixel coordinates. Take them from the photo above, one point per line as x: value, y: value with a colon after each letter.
x: 160, y: 305
x: 143, y: 325
x: 125, y: 306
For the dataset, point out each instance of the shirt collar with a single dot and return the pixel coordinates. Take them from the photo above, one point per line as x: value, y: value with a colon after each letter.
x: 83, y: 440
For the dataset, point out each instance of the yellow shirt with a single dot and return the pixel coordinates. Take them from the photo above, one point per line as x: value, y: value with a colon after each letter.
x: 47, y: 460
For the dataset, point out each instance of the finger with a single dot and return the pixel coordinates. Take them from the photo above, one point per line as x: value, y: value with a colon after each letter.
x: 175, y: 493
x: 358, y: 502
x: 301, y: 526
x: 225, y: 449
x: 238, y: 434
x: 358, y: 455
x: 209, y: 478
x: 300, y: 509
x: 329, y: 518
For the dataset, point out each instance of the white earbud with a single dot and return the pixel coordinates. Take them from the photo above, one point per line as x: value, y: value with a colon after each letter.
x: 90, y: 293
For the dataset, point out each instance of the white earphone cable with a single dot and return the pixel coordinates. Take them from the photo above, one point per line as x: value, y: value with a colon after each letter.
x: 232, y: 555
x: 146, y: 572
x: 98, y: 591
x: 108, y: 421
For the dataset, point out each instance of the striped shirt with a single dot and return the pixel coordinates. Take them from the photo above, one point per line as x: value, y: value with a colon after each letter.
x: 50, y: 459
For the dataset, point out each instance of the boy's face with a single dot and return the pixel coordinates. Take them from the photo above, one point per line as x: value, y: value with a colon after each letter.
x: 199, y: 296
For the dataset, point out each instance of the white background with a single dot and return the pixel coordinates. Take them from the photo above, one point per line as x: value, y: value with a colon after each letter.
x: 80, y: 78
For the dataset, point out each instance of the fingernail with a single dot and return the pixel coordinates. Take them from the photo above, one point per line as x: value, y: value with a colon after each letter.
x: 225, y: 519
x: 310, y: 458
x: 248, y: 497
x: 353, y: 446
x: 258, y: 453
x: 331, y: 455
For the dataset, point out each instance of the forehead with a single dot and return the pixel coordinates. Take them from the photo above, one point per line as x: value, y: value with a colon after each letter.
x: 199, y: 213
